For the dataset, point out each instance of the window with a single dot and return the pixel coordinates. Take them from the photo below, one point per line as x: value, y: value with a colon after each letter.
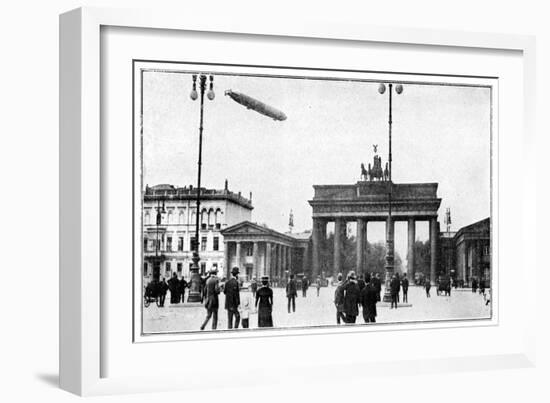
x: 203, y: 268
x: 203, y: 243
x: 145, y: 244
x: 486, y: 250
x: 169, y: 216
x: 168, y: 267
x: 180, y: 267
x: 169, y: 244
x: 204, y: 219
x: 181, y: 217
x: 147, y: 218
x: 192, y: 243
x: 180, y: 243
x: 218, y: 219
x: 216, y: 243
x: 211, y: 218
x: 145, y: 269
x: 249, y: 250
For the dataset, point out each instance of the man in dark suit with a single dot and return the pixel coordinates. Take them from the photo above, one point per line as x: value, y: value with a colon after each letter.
x: 377, y: 283
x: 174, y: 290
x: 305, y: 285
x: 351, y: 298
x: 211, y: 292
x: 291, y: 293
x: 232, y: 299
x: 339, y: 300
x: 405, y: 286
x: 394, y: 291
x: 368, y: 298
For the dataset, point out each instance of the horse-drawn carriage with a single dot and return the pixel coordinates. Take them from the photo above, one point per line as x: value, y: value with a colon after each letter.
x: 153, y: 292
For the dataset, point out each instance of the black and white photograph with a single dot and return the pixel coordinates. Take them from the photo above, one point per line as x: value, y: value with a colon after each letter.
x: 279, y: 198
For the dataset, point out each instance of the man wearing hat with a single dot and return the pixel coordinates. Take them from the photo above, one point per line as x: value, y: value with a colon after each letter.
x: 232, y: 299
x: 211, y: 291
x: 351, y: 298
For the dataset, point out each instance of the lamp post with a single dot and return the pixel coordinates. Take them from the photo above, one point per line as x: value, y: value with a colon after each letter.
x: 389, y: 223
x: 195, y: 280
x: 156, y: 262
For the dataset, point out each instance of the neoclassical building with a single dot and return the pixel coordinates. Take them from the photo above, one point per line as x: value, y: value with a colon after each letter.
x: 261, y: 251
x: 167, y: 242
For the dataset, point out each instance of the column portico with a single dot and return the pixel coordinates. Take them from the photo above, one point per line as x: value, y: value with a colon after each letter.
x: 267, y: 256
x: 410, y: 249
x: 360, y: 239
x: 237, y: 256
x: 338, y: 232
x: 433, y: 248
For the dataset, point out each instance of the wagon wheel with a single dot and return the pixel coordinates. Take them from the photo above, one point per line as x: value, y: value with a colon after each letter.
x: 157, y: 301
x: 146, y: 301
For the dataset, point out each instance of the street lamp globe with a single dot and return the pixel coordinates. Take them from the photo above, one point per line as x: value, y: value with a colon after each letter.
x: 194, y: 95
x: 399, y: 88
x: 381, y: 88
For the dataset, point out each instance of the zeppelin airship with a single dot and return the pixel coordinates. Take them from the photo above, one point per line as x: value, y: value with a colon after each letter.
x: 254, y: 104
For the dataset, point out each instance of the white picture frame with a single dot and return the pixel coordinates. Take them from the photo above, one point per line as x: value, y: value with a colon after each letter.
x: 83, y: 351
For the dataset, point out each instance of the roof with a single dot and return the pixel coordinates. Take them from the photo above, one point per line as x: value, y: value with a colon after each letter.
x: 250, y: 231
x: 170, y: 192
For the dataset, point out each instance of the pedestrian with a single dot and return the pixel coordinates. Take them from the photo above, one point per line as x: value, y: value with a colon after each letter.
x: 162, y: 290
x: 427, y: 286
x: 264, y: 304
x: 232, y: 298
x: 377, y: 283
x: 361, y: 282
x: 318, y: 285
x: 474, y: 285
x: 405, y: 287
x: 368, y: 298
x: 182, y: 285
x: 339, y: 300
x: 482, y: 287
x: 211, y: 292
x: 305, y: 286
x: 291, y: 293
x: 246, y: 308
x: 254, y: 287
x: 351, y: 298
x: 399, y: 286
x: 174, y: 289
x: 394, y: 290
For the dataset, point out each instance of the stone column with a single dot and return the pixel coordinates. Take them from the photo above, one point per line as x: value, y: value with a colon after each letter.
x: 390, y: 257
x: 433, y: 248
x: 359, y: 265
x: 226, y: 259
x: 410, y: 250
x: 255, y: 259
x: 267, y: 266
x: 283, y: 258
x: 238, y: 256
x: 338, y: 232
x: 279, y: 261
x: 289, y: 259
x: 316, y: 240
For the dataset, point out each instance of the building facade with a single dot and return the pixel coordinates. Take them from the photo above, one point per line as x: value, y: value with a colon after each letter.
x: 169, y: 218
x: 261, y: 251
x: 473, y: 252
x: 466, y: 253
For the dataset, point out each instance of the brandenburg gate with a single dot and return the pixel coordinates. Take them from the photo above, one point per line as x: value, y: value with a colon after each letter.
x: 368, y: 201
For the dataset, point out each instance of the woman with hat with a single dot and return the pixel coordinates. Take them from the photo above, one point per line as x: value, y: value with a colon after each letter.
x: 264, y: 304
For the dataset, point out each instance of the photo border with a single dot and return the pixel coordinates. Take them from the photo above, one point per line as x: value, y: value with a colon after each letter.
x: 80, y: 168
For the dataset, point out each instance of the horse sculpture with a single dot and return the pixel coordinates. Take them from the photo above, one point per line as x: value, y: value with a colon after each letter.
x: 376, y: 173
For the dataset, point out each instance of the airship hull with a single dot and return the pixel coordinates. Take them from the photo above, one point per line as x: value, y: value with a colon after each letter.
x: 254, y: 104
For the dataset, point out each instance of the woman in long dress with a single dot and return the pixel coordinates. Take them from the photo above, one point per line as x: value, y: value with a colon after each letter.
x: 264, y: 304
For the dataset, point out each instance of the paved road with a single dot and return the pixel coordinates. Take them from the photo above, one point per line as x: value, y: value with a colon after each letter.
x: 314, y: 310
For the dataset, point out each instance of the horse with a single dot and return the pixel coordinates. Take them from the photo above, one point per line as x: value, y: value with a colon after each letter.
x: 386, y: 173
x: 364, y: 172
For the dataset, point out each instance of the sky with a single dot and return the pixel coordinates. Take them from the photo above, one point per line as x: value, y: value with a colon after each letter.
x: 441, y: 133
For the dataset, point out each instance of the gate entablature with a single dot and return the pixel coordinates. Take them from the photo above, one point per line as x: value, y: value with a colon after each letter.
x: 369, y: 199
